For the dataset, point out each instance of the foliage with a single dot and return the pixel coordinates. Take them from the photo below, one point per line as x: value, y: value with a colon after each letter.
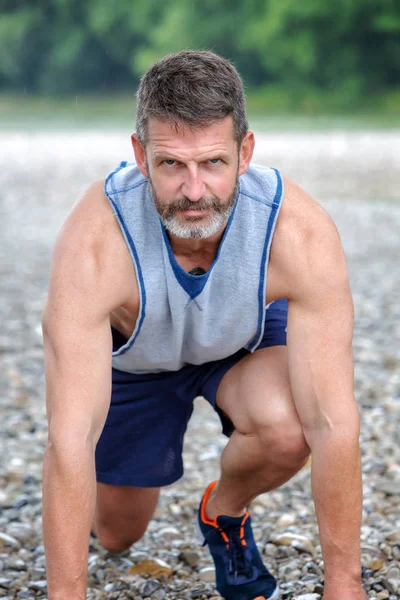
x: 336, y: 51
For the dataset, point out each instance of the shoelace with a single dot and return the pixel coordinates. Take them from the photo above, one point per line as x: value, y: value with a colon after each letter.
x: 238, y: 563
x: 233, y: 536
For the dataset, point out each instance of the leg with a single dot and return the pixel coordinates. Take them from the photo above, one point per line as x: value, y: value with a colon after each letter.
x: 267, y: 447
x: 139, y: 451
x: 122, y: 514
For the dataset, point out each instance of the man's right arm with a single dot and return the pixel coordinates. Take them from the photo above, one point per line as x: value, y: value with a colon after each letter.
x: 83, y: 290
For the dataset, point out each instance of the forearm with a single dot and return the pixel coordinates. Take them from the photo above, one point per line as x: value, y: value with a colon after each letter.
x: 69, y: 490
x: 337, y: 493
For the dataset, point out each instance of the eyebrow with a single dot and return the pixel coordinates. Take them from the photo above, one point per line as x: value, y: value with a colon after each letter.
x: 210, y: 156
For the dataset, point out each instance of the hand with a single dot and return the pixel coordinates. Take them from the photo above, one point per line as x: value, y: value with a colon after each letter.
x: 338, y: 591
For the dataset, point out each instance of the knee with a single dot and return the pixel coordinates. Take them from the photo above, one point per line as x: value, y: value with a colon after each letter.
x: 115, y: 541
x: 285, y: 443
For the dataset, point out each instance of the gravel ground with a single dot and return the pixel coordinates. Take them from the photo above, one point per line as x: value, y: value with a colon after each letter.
x: 354, y: 175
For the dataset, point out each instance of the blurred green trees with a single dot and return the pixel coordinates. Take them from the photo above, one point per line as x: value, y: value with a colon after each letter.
x: 337, y: 49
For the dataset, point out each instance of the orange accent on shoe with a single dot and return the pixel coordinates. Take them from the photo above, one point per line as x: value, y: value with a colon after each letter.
x: 260, y: 598
x: 213, y: 522
x: 206, y: 497
x: 225, y: 537
x: 244, y: 543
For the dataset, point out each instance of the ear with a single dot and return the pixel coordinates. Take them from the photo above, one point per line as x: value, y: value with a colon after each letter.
x: 140, y: 154
x: 246, y: 152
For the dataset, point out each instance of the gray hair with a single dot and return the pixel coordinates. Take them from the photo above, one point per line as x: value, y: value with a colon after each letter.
x: 194, y: 88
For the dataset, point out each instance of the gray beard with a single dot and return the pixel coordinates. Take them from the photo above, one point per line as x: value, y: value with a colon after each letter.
x: 220, y: 213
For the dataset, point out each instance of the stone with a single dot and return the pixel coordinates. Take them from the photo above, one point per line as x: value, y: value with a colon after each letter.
x: 271, y: 549
x: 393, y: 536
x: 391, y: 488
x: 376, y: 564
x: 175, y: 510
x: 154, y: 567
x: 393, y: 573
x: 8, y: 540
x: 190, y: 557
x: 392, y: 580
x: 298, y: 541
x: 169, y: 533
x: 38, y: 586
x: 17, y: 564
x: 5, y: 583
x: 23, y: 532
x: 149, y: 587
x: 286, y: 520
x: 207, y: 574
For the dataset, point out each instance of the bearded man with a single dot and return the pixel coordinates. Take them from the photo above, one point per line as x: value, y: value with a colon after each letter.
x: 194, y: 272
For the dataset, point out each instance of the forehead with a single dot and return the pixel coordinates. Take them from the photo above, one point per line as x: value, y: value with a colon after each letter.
x: 164, y: 136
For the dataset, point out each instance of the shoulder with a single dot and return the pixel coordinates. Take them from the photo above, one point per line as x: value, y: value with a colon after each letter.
x: 306, y: 250
x: 90, y: 253
x: 90, y: 215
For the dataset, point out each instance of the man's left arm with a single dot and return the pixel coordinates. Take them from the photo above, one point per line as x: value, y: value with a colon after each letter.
x: 320, y: 327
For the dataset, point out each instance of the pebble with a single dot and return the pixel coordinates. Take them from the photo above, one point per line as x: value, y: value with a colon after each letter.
x: 38, y: 586
x: 286, y: 520
x: 169, y: 533
x: 393, y: 536
x: 149, y: 587
x: 207, y: 574
x: 23, y: 532
x: 5, y: 583
x: 190, y: 557
x: 295, y: 540
x: 54, y: 167
x: 307, y: 597
x: 8, y: 540
x: 392, y: 580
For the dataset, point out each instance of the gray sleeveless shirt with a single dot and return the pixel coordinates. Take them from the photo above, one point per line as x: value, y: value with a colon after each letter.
x: 189, y: 319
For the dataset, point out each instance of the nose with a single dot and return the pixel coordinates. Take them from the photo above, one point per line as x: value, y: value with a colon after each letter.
x: 193, y: 187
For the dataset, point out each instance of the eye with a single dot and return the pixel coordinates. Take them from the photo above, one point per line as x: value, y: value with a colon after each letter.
x: 214, y: 161
x: 170, y: 162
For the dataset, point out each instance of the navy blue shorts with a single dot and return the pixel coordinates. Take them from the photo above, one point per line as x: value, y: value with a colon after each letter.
x: 141, y: 443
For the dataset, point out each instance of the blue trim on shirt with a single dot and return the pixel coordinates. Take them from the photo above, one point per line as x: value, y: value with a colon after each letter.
x: 261, y: 288
x: 134, y: 253
x: 194, y: 284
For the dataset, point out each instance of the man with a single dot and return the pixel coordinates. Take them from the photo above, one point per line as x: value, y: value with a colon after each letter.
x: 200, y: 262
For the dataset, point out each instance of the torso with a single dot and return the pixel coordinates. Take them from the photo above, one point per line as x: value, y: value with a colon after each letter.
x: 295, y: 224
x: 123, y: 318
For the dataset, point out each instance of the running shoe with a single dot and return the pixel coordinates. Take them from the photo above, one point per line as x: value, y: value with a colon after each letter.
x: 240, y: 572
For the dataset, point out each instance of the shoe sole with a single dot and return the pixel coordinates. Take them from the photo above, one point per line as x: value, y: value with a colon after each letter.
x: 274, y: 596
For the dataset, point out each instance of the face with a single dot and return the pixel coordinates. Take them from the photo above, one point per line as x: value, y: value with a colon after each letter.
x: 193, y: 174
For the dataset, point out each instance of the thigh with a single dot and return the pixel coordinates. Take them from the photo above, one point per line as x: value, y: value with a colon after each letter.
x: 255, y: 393
x: 224, y: 377
x: 141, y: 443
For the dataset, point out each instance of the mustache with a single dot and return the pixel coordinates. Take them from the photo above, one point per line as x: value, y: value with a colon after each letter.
x: 183, y: 204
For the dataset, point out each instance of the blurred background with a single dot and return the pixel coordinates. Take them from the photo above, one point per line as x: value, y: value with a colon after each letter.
x: 322, y: 82
x: 312, y: 58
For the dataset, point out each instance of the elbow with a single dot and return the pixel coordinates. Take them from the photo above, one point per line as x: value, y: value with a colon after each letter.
x: 343, y: 426
x: 69, y: 442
